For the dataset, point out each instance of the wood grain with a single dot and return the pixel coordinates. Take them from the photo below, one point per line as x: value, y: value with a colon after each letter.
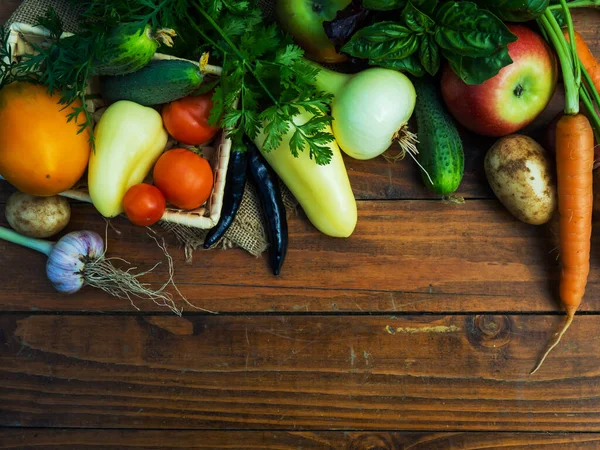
x: 409, y: 256
x: 425, y: 373
x: 34, y: 439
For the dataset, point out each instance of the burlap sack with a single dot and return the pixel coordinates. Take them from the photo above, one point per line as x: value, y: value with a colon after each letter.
x: 248, y: 229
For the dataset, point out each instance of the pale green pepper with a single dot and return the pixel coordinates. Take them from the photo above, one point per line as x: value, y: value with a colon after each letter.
x: 129, y: 139
x: 323, y: 191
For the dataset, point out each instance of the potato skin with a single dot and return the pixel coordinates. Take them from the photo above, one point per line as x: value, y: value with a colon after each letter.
x: 38, y: 217
x: 521, y: 174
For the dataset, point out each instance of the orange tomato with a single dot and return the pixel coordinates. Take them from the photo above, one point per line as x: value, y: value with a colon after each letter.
x: 40, y: 152
x: 186, y: 119
x: 184, y: 178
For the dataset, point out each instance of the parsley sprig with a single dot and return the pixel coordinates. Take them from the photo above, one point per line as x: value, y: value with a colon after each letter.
x: 261, y: 66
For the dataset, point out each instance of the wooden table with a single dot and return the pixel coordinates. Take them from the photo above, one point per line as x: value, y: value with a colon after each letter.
x: 417, y: 332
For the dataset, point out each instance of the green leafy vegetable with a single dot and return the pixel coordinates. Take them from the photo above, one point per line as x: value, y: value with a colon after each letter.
x: 382, y: 39
x: 411, y: 64
x: 469, y: 31
x: 417, y: 20
x: 478, y: 70
x: 429, y: 55
x: 472, y: 39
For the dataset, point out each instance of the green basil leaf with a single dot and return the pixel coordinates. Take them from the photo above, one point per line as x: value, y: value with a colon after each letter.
x: 469, y: 31
x: 381, y: 39
x: 427, y: 6
x: 411, y: 65
x: 417, y: 20
x: 429, y: 54
x: 515, y: 10
x: 478, y: 70
x: 384, y: 5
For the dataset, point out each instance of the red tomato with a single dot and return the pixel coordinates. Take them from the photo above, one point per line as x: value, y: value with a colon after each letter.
x: 184, y: 178
x: 186, y: 119
x: 144, y: 204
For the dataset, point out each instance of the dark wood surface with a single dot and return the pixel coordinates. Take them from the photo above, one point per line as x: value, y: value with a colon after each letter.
x: 418, y: 332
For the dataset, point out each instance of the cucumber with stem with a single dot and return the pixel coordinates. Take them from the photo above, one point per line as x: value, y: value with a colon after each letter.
x: 440, y: 147
x: 161, y: 81
x: 127, y: 48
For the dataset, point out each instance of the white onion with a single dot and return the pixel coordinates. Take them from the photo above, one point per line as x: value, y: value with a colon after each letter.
x: 370, y: 109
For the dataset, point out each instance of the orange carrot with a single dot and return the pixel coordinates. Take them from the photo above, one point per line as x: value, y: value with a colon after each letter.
x: 574, y: 162
x: 588, y: 60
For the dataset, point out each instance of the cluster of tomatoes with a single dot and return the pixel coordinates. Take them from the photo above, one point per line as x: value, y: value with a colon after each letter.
x: 181, y: 177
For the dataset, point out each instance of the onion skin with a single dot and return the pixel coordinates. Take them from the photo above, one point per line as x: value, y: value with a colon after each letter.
x: 370, y: 110
x: 68, y: 258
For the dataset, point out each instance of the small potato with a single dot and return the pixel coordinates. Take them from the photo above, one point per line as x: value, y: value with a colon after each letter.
x: 38, y: 217
x: 521, y: 174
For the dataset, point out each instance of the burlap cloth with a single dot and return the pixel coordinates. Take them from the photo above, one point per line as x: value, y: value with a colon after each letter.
x: 248, y: 229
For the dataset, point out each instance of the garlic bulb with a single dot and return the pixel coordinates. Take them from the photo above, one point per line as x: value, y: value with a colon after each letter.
x: 66, y: 262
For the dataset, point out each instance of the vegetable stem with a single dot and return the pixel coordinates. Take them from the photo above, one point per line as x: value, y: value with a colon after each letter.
x: 591, y: 112
x: 571, y: 30
x: 577, y: 4
x: 328, y: 80
x: 39, y: 245
x: 548, y: 22
x: 590, y: 86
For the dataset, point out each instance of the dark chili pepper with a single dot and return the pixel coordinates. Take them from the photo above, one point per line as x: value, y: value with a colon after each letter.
x: 232, y: 197
x: 267, y: 184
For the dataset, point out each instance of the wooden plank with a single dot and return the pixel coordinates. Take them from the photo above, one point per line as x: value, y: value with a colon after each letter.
x: 413, y: 256
x: 26, y: 439
x: 416, y: 373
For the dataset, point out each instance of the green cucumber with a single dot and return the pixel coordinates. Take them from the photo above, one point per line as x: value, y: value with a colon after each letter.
x: 161, y: 81
x: 127, y: 48
x: 440, y: 147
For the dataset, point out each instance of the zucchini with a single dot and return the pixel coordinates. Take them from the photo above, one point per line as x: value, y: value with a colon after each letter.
x: 161, y: 81
x: 440, y: 147
x: 128, y: 48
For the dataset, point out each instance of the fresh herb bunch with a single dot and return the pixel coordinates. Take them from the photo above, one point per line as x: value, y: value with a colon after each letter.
x: 265, y: 80
x: 265, y: 73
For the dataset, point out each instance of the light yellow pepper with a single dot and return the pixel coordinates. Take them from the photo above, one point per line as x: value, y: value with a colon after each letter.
x: 323, y: 191
x: 129, y: 139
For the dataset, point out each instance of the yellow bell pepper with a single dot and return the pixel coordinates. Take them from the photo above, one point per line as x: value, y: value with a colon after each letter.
x: 323, y: 191
x: 129, y: 139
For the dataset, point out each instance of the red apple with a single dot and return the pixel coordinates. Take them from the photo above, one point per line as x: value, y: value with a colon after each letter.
x: 303, y: 20
x: 514, y: 97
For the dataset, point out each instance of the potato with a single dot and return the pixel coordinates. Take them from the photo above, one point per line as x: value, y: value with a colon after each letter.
x: 38, y: 217
x: 521, y: 174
